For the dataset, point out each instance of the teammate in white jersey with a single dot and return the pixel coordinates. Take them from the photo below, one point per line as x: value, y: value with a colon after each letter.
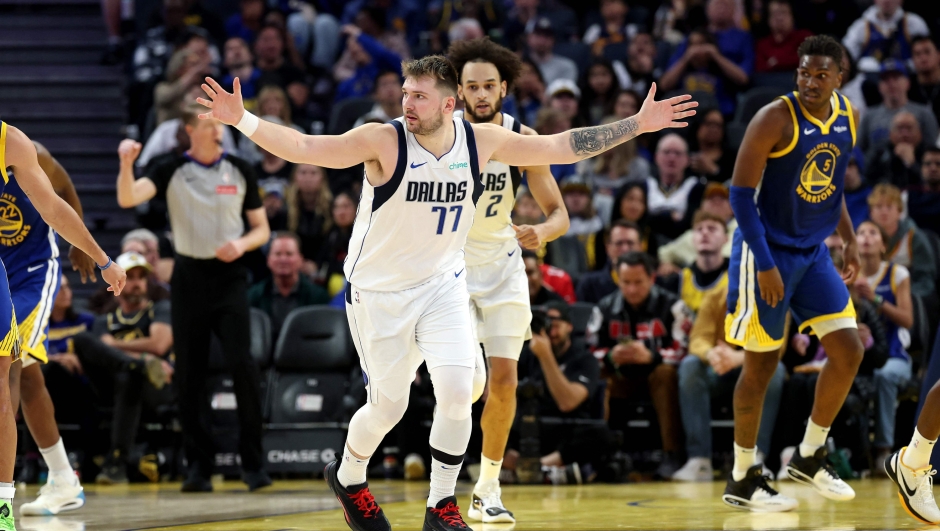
x: 499, y: 289
x: 407, y: 299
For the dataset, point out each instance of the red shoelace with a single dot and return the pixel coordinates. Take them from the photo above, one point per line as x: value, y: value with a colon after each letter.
x: 450, y: 513
x: 365, y: 502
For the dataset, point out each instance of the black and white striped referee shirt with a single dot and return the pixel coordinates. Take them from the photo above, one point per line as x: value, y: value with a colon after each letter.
x: 206, y: 202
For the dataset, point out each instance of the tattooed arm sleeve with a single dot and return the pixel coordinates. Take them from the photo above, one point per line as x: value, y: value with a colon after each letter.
x: 589, y: 141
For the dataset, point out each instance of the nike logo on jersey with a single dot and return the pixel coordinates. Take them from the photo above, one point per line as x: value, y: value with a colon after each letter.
x: 35, y: 267
x: 457, y: 274
x: 840, y: 128
x: 513, y: 252
x: 809, y: 131
x: 413, y: 165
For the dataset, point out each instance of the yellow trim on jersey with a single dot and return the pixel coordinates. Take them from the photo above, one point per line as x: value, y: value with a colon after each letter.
x: 10, y: 346
x: 26, y: 330
x: 754, y: 332
x: 753, y: 337
x: 823, y: 127
x: 796, y: 132
x: 851, y: 116
x: 3, y: 152
x: 849, y: 311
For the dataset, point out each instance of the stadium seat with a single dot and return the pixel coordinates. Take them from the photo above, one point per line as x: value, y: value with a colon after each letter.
x: 751, y: 102
x: 312, y: 383
x: 734, y: 131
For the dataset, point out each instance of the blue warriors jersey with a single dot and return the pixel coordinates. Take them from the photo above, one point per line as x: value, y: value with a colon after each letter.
x: 887, y: 288
x: 24, y: 237
x: 9, y: 334
x: 800, y: 197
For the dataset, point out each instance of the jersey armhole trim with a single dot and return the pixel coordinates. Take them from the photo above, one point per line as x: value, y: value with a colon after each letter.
x: 851, y: 115
x: 796, y: 132
x: 474, y: 162
x: 385, y: 192
x: 515, y: 174
x: 3, y: 152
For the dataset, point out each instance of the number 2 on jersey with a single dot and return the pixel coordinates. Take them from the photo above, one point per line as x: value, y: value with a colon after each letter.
x: 491, y: 209
x: 443, y: 211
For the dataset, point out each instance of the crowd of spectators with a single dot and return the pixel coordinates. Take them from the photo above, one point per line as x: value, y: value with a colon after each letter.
x: 651, y: 223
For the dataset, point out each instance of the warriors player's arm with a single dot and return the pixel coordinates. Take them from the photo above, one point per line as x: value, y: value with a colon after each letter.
x: 769, y: 131
x: 61, y: 182
x: 21, y: 155
x: 544, y: 189
x: 499, y: 143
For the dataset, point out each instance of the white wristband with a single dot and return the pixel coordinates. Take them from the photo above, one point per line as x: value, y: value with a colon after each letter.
x: 248, y: 124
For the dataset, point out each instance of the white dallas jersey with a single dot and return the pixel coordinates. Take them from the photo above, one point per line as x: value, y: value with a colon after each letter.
x: 492, y: 234
x: 413, y: 227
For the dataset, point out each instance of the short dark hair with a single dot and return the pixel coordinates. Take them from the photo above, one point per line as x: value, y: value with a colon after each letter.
x: 288, y: 235
x: 636, y: 258
x: 526, y: 253
x: 433, y: 66
x: 923, y: 38
x: 932, y: 149
x: 822, y: 45
x: 484, y: 50
x: 382, y: 73
x: 623, y: 224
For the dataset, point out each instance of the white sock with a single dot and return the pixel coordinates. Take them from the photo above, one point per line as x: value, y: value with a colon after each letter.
x: 744, y: 459
x: 57, y: 460
x: 9, y: 486
x: 352, y: 470
x: 443, y: 481
x: 813, y: 439
x: 489, y: 470
x: 917, y: 454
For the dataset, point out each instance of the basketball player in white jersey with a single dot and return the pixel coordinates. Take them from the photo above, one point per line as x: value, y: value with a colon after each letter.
x: 407, y: 299
x: 499, y: 289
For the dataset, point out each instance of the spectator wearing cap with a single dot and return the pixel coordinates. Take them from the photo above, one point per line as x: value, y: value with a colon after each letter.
x: 272, y: 200
x: 623, y: 237
x: 569, y: 378
x: 539, y: 292
x: 719, y: 60
x: 146, y: 244
x: 565, y: 96
x: 540, y: 42
x: 681, y: 252
x: 925, y: 85
x: 923, y: 202
x: 286, y: 289
x: 884, y: 31
x: 672, y: 195
x: 893, y: 85
x: 856, y: 188
x: 631, y: 333
x: 777, y: 51
x: 898, y: 162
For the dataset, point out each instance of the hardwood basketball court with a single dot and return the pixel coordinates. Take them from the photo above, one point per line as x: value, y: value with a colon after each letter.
x: 309, y: 506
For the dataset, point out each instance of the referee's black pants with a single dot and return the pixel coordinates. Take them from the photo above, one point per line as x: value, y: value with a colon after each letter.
x: 212, y: 296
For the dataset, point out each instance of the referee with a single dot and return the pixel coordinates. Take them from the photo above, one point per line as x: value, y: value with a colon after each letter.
x: 208, y: 192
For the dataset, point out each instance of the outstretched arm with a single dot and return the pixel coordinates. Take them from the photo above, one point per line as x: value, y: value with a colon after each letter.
x: 579, y: 144
x: 21, y: 155
x: 329, y: 151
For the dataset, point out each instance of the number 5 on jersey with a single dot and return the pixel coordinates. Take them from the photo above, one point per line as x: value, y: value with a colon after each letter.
x: 443, y: 212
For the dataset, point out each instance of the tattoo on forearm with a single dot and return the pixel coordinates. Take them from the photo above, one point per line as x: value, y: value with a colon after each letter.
x: 589, y: 141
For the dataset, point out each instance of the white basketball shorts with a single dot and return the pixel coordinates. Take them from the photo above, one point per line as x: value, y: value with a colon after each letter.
x: 499, y: 299
x: 395, y: 331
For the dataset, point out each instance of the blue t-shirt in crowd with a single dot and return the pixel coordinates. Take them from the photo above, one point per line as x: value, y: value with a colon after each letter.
x: 62, y: 332
x: 736, y: 45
